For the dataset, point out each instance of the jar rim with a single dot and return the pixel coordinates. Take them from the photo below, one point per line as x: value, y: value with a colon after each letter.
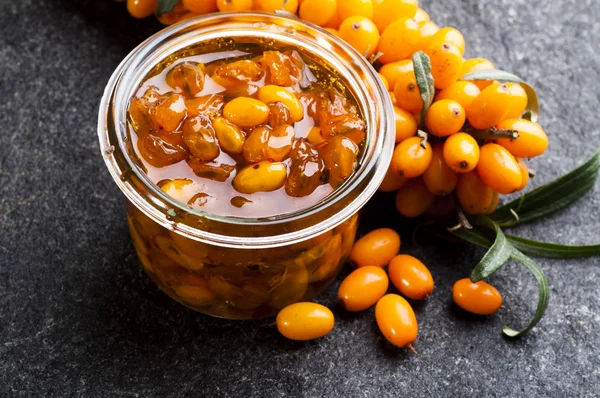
x: 287, y: 228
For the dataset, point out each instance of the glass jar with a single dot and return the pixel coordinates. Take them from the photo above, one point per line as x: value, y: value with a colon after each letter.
x: 244, y: 267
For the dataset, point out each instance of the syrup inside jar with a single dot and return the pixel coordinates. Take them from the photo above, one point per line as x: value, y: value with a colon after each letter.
x: 244, y: 129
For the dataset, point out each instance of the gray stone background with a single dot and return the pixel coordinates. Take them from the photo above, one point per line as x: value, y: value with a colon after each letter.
x: 79, y: 318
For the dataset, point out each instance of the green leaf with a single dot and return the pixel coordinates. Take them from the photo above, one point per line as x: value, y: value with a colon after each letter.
x: 475, y: 236
x: 165, y: 6
x: 532, y: 110
x: 551, y: 197
x: 496, y: 256
x: 552, y: 250
x: 543, y: 293
x: 422, y: 67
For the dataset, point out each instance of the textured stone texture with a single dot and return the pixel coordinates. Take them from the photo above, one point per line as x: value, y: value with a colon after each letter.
x: 79, y: 318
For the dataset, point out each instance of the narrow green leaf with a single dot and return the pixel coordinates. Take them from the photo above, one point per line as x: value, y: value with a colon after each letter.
x: 496, y: 256
x: 552, y: 250
x: 164, y: 6
x: 543, y: 293
x: 532, y: 110
x: 475, y: 236
x: 422, y: 67
x: 551, y: 197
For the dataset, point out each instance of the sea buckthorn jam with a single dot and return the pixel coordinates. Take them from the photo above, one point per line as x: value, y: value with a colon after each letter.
x: 246, y: 130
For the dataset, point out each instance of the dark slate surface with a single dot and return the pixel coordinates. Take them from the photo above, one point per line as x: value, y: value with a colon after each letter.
x: 79, y: 318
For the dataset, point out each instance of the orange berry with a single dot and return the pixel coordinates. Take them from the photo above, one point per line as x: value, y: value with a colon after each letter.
x: 413, y: 199
x: 452, y: 36
x: 475, y: 64
x: 490, y: 107
x: 275, y: 5
x: 201, y: 6
x: 353, y: 8
x: 394, y: 70
x: 532, y: 140
x: 393, y: 98
x: 234, y: 5
x: 421, y: 16
x: 463, y: 92
x: 384, y: 81
x: 377, y: 248
x: 473, y: 195
x: 406, y: 125
x: 141, y: 8
x: 442, y: 205
x: 428, y: 30
x: 361, y: 33
x: 319, y: 12
x: 524, y: 173
x: 304, y: 321
x: 406, y: 91
x: 399, y: 40
x: 461, y: 152
x: 410, y: 159
x: 439, y: 178
x: 333, y: 31
x: 499, y: 169
x: 392, y: 182
x: 396, y: 320
x: 479, y: 298
x: 387, y: 11
x: 446, y: 63
x: 363, y: 288
x: 445, y: 117
x: 186, y: 16
x: 411, y: 277
x: 518, y: 101
x: 334, y: 22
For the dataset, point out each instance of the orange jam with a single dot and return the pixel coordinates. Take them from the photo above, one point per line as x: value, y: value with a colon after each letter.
x: 246, y: 129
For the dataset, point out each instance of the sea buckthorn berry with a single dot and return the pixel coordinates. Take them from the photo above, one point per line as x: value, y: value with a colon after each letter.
x: 392, y: 181
x: 141, y: 8
x: 399, y: 40
x: 264, y: 176
x: 199, y: 136
x: 209, y: 105
x: 439, y: 178
x: 306, y: 170
x: 176, y: 189
x: 428, y: 31
x: 275, y: 5
x: 384, y: 81
x: 231, y: 138
x: 140, y: 116
x: 413, y: 199
x: 242, y: 71
x: 279, y: 143
x: 406, y: 125
x: 339, y: 155
x: 255, y: 146
x: 396, y: 320
x: 272, y: 93
x: 463, y: 92
x: 475, y: 64
x: 461, y: 152
x: 201, y: 6
x: 319, y: 12
x: 499, y: 169
x: 393, y: 70
x: 446, y: 62
x: 376, y: 248
x: 361, y: 33
x: 163, y: 150
x: 174, y: 15
x: 333, y: 31
x: 363, y: 288
x: 314, y: 136
x: 518, y: 101
x: 352, y: 8
x: 494, y: 203
x: 474, y: 196
x: 234, y: 5
x: 406, y: 91
x: 532, y: 140
x: 490, y: 107
x: 524, y: 173
x: 186, y: 16
x: 387, y: 11
x: 334, y: 22
x: 349, y: 125
x: 479, y: 298
x: 442, y: 205
x: 195, y: 295
x: 304, y: 321
x: 452, y: 36
x: 187, y: 77
x: 246, y: 112
x: 279, y: 114
x: 421, y: 16
x: 411, y: 277
x: 171, y: 112
x: 410, y: 159
x: 445, y: 117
